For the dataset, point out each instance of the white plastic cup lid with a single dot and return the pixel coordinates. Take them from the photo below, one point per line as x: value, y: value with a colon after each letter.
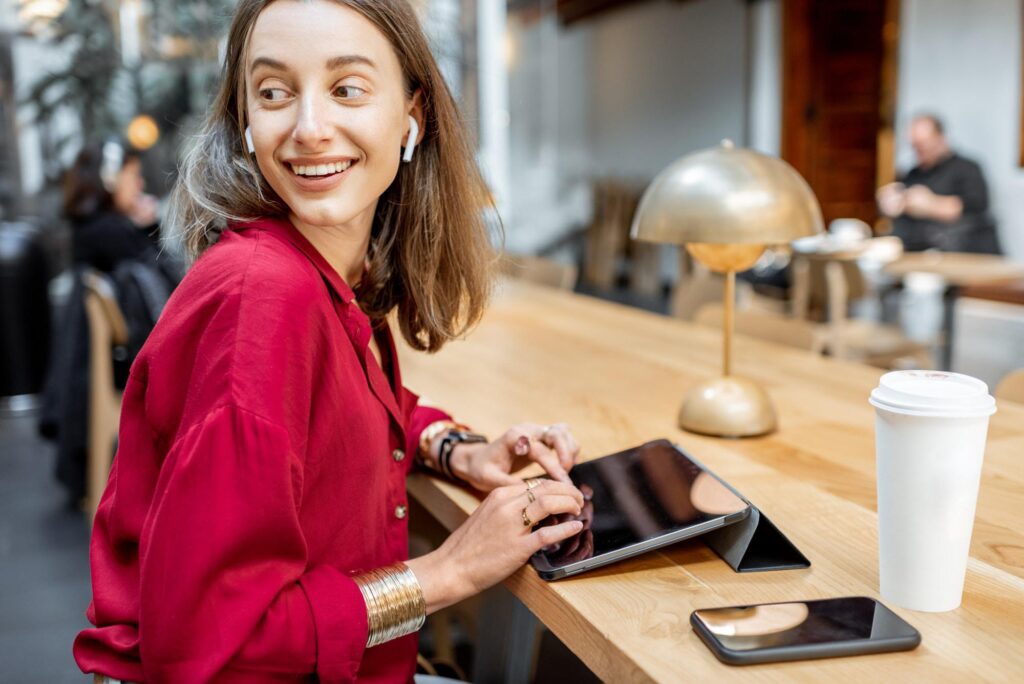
x: 933, y: 393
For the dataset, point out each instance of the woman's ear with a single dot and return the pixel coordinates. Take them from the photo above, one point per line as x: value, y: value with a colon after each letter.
x: 410, y: 140
x: 416, y: 112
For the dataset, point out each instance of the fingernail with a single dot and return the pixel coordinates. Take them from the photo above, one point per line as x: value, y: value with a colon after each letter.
x: 577, y: 525
x: 522, y: 446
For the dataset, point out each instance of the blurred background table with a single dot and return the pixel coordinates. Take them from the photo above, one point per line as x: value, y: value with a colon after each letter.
x: 617, y: 376
x: 958, y: 269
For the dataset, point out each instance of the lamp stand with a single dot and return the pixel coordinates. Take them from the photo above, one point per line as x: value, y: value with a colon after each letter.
x: 728, y: 406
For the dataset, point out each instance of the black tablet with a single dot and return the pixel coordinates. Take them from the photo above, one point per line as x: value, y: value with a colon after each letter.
x: 637, y: 500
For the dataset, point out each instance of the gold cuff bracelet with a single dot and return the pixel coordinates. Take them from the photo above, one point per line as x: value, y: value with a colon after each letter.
x: 394, y: 602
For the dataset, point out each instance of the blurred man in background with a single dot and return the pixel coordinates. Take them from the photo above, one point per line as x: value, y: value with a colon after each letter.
x: 942, y: 203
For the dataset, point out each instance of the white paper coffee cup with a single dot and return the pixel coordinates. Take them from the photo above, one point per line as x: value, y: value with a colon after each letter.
x: 930, y: 431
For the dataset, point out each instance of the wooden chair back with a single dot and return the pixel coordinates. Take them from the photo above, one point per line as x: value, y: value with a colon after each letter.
x: 539, y: 270
x: 1011, y: 387
x: 814, y: 285
x: 107, y: 328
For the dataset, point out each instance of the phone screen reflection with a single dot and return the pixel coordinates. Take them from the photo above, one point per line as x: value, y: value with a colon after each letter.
x: 790, y: 624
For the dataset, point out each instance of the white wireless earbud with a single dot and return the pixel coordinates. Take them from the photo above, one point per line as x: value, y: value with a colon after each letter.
x: 248, y: 140
x: 410, y: 142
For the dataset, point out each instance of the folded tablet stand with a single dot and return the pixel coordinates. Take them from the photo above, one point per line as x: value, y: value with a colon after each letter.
x: 754, y: 545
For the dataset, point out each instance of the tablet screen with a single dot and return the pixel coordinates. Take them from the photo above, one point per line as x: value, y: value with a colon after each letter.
x: 637, y: 495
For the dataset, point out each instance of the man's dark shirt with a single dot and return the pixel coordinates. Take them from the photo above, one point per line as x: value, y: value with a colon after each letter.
x: 974, y: 231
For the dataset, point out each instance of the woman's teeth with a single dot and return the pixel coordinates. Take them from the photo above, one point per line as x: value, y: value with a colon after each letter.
x: 320, y: 169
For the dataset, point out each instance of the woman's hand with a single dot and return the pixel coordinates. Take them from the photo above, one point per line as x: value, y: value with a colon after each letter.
x: 496, y: 540
x: 486, y: 466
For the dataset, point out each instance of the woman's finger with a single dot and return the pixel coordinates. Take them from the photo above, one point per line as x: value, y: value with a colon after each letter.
x: 490, y: 476
x: 553, y: 534
x: 555, y: 487
x: 559, y: 440
x: 548, y: 459
x: 544, y: 506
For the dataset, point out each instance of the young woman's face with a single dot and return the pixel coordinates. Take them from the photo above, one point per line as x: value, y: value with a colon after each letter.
x: 327, y: 108
x: 129, y: 186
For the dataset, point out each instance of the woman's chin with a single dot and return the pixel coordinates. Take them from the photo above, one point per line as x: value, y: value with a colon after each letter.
x: 321, y: 216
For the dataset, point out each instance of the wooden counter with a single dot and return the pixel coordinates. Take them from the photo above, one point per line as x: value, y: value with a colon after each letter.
x: 617, y: 375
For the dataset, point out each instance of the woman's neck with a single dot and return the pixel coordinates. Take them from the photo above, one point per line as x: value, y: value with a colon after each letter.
x: 344, y: 247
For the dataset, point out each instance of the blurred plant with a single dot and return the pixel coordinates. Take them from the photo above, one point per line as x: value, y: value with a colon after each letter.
x: 170, y: 71
x: 83, y: 32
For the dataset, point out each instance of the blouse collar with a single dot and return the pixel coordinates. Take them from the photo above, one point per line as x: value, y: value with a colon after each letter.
x: 284, y: 228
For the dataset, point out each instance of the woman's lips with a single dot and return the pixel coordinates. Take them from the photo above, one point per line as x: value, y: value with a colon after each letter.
x: 319, y: 183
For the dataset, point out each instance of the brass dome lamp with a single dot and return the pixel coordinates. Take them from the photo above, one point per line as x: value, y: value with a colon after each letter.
x: 726, y: 204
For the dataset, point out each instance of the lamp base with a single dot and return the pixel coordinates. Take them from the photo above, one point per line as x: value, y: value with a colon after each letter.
x: 728, y: 407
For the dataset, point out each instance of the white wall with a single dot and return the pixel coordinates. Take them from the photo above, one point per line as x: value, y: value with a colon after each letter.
x: 962, y: 61
x: 667, y: 78
x: 764, y: 123
x: 548, y: 131
x: 622, y: 94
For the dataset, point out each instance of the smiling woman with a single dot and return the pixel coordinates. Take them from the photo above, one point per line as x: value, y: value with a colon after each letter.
x: 338, y: 82
x: 254, y: 526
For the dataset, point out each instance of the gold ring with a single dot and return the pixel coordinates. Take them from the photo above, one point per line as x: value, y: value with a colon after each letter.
x: 534, y: 482
x: 526, y: 518
x: 530, y: 495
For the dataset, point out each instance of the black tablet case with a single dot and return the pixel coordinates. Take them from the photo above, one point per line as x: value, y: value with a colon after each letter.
x: 755, y: 545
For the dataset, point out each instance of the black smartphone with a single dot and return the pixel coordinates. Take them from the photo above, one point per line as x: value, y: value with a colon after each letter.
x: 802, y: 630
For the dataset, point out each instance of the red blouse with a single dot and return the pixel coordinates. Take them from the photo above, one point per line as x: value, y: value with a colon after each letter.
x: 262, y: 460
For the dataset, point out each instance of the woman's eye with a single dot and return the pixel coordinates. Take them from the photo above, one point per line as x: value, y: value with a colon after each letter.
x: 273, y: 94
x: 348, y: 92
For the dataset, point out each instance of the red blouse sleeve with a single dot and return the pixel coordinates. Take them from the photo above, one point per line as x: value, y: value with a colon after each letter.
x: 224, y: 585
x: 419, y: 419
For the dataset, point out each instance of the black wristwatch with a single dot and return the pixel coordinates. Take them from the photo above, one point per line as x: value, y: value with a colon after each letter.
x: 448, y: 444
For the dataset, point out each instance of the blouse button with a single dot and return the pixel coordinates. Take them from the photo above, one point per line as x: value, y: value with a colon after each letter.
x: 400, y: 512
x: 398, y: 455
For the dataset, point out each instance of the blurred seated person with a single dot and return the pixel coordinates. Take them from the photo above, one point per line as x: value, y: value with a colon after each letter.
x: 114, y: 231
x: 112, y: 218
x: 942, y: 203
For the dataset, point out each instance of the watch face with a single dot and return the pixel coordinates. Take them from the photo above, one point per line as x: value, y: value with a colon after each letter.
x: 460, y: 436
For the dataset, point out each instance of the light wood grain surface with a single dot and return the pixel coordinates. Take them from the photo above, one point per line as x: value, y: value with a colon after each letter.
x: 617, y: 375
x: 958, y: 268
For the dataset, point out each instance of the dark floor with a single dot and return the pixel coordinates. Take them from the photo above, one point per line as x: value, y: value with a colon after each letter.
x: 44, y: 562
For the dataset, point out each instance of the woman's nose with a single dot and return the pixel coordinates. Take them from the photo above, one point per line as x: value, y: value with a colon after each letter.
x: 310, y: 127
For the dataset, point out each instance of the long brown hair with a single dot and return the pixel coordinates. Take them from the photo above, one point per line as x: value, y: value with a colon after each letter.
x: 430, y: 252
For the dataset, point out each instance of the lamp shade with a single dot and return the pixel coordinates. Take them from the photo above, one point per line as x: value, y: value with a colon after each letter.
x: 727, y: 195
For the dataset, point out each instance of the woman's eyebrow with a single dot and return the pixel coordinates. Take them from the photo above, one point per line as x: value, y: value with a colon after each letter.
x: 345, y: 60
x: 267, y: 62
x: 332, y: 63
